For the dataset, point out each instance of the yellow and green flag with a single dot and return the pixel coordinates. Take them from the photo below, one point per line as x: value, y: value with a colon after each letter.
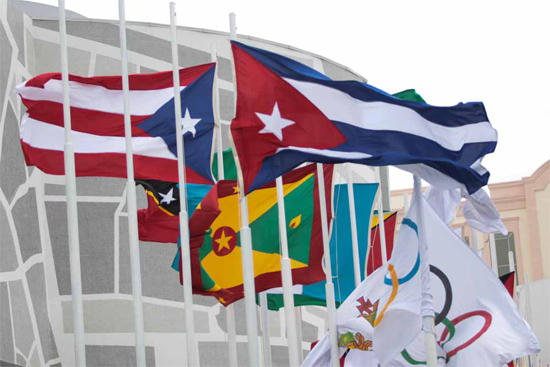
x: 216, y: 258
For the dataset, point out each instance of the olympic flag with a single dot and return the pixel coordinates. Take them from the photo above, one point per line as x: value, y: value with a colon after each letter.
x: 477, y: 322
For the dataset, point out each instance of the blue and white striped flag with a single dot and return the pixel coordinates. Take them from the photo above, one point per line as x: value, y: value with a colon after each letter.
x: 288, y: 113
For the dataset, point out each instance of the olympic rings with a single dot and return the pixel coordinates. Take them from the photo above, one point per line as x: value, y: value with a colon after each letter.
x: 448, y: 294
x: 488, y: 318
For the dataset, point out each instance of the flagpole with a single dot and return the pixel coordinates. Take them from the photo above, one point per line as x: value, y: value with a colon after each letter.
x: 381, y: 227
x: 230, y: 309
x: 286, y: 273
x: 192, y: 356
x: 353, y: 222
x: 428, y: 320
x: 131, y: 199
x: 298, y: 312
x: 329, y: 288
x: 264, y: 317
x: 72, y: 211
x: 246, y: 249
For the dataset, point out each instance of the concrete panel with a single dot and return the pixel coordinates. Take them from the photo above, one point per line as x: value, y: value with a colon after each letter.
x: 145, y: 70
x: 226, y: 105
x: 91, y: 186
x: 37, y: 287
x: 96, y: 245
x: 116, y: 316
x: 108, y: 33
x: 8, y: 256
x: 5, y: 61
x: 22, y: 325
x: 12, y: 164
x: 26, y: 221
x: 6, y: 336
x: 225, y: 69
x: 108, y: 66
x: 15, y: 21
x: 158, y: 279
x: 337, y: 73
x: 49, y: 55
x: 115, y: 356
x: 31, y: 57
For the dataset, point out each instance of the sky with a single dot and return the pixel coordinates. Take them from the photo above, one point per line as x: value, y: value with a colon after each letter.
x: 496, y: 52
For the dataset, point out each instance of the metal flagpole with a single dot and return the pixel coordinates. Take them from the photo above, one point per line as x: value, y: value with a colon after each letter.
x: 246, y: 249
x: 353, y: 221
x: 428, y: 320
x: 264, y: 317
x: 286, y: 273
x: 329, y: 288
x: 131, y: 198
x: 192, y: 356
x: 72, y: 211
x: 298, y: 312
x: 230, y: 309
x: 492, y: 247
x: 381, y: 226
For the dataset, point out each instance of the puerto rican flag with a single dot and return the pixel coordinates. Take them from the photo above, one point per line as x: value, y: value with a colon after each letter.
x: 288, y: 114
x: 97, y: 115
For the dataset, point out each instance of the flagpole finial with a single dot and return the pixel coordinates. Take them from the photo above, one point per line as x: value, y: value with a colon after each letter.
x: 233, y: 26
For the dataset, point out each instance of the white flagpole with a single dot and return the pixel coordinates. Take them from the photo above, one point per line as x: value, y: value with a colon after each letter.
x: 428, y: 320
x: 286, y: 273
x: 229, y: 310
x: 72, y: 212
x: 298, y: 312
x: 131, y: 198
x: 353, y: 222
x: 266, y: 338
x: 192, y: 356
x: 381, y: 226
x: 329, y: 288
x: 246, y: 249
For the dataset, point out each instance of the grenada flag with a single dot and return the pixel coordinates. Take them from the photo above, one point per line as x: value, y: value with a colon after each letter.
x: 216, y: 258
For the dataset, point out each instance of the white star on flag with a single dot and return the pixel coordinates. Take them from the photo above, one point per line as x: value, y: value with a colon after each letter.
x: 168, y: 197
x: 274, y: 123
x: 188, y: 123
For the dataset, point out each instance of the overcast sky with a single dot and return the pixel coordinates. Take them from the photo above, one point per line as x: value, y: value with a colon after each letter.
x: 497, y: 52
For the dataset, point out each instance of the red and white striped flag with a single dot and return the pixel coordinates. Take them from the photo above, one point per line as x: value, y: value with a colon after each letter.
x: 97, y: 115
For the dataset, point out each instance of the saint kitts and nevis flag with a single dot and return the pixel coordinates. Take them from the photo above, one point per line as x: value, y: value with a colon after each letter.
x: 159, y: 222
x: 97, y: 115
x: 216, y: 261
x: 303, y: 116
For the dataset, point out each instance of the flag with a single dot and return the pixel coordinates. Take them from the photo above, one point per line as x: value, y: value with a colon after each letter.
x: 97, y: 115
x: 374, y: 261
x: 216, y: 260
x: 159, y: 222
x: 477, y: 323
x: 229, y: 166
x: 301, y: 115
x: 341, y: 254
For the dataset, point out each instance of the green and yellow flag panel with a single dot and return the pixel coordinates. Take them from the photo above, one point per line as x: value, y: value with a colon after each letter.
x: 216, y: 244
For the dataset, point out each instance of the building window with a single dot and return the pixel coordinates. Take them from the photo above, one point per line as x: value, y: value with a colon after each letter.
x: 505, y: 244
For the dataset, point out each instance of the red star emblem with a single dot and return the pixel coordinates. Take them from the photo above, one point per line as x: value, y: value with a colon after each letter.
x: 364, y: 306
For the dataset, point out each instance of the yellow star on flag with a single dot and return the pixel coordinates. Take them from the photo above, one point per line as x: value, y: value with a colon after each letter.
x: 223, y: 241
x: 235, y: 189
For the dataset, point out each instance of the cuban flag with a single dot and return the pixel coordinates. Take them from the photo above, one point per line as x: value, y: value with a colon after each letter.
x: 288, y: 114
x: 97, y: 115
